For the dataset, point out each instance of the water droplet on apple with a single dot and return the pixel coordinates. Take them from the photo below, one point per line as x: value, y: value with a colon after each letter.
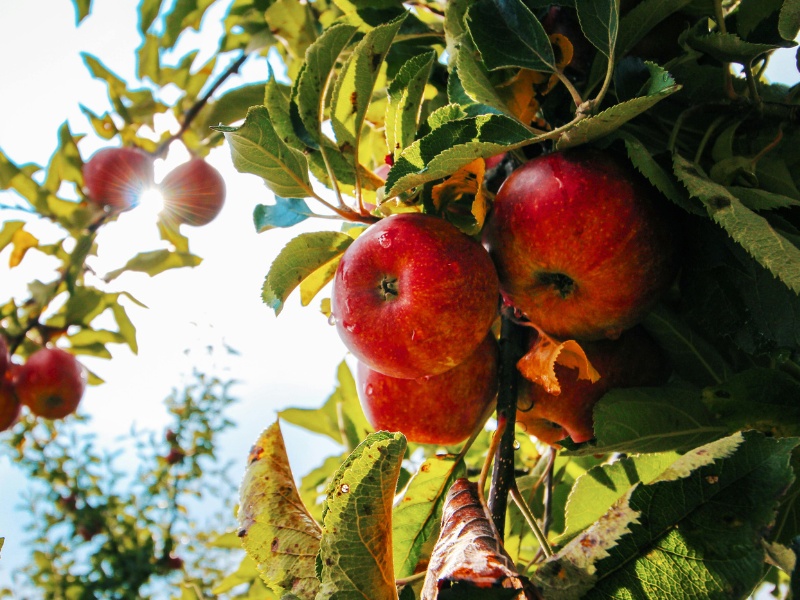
x: 385, y: 240
x: 351, y: 327
x: 369, y: 389
x: 331, y: 319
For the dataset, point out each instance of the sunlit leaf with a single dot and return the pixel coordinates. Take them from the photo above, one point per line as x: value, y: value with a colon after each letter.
x: 418, y: 512
x: 405, y: 101
x: 355, y: 558
x: 453, y: 145
x: 299, y: 259
x: 656, y: 536
x: 82, y: 10
x: 274, y: 525
x: 155, y: 262
x: 256, y: 148
x: 22, y: 241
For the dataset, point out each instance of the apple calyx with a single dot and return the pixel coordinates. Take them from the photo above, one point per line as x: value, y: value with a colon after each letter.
x: 562, y: 284
x: 388, y: 289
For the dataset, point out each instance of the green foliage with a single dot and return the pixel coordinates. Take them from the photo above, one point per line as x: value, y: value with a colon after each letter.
x: 684, y: 486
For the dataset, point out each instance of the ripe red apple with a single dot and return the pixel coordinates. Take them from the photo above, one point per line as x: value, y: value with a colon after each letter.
x: 115, y: 177
x: 584, y: 247
x: 193, y: 192
x: 5, y: 358
x: 632, y: 360
x: 437, y: 409
x: 51, y: 383
x: 9, y: 405
x: 414, y: 296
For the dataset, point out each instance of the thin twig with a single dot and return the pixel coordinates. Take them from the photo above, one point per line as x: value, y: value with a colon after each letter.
x: 541, y: 537
x: 195, y: 109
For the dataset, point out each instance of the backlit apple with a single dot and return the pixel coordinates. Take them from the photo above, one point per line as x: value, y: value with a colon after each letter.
x: 51, y: 383
x: 583, y: 245
x: 116, y: 177
x: 193, y: 193
x: 437, y: 409
x: 414, y: 296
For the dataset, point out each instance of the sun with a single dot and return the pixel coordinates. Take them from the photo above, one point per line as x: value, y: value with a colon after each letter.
x: 151, y: 202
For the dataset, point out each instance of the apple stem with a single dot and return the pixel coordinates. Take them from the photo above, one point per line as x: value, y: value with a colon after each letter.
x: 540, y: 535
x: 511, y: 350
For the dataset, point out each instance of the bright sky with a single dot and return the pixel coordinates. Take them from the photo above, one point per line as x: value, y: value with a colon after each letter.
x: 285, y: 361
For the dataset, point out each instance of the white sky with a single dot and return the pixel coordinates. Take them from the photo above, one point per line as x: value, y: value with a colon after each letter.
x: 288, y: 361
x: 285, y: 361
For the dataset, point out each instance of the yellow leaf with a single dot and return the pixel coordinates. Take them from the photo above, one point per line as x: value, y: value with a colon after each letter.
x: 539, y: 363
x: 22, y: 242
x: 467, y: 181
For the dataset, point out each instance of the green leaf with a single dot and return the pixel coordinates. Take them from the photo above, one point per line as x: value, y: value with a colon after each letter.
x: 751, y: 231
x: 596, y: 490
x: 352, y: 92
x: 728, y: 47
x: 761, y: 399
x: 405, y: 101
x: 256, y: 148
x: 309, y: 91
x: 185, y: 14
x: 453, y: 145
x: 103, y: 125
x: 599, y: 21
x: 642, y: 18
x: 418, y: 512
x: 787, y: 523
x: 8, y: 231
x: 155, y: 262
x: 274, y: 525
x: 475, y: 79
x: 82, y: 10
x: 355, y: 557
x: 286, y: 212
x: 293, y: 23
x: 660, y: 85
x: 641, y: 420
x: 507, y: 34
x: 789, y: 20
x: 757, y: 199
x: 657, y: 175
x: 297, y: 260
x: 126, y: 328
x: 232, y: 106
x: 148, y: 11
x: 65, y: 163
x: 692, y: 357
x: 340, y: 418
x: 696, y: 531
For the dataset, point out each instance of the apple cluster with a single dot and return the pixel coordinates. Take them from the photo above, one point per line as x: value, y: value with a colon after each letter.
x: 414, y: 300
x: 50, y: 383
x: 193, y: 192
x: 584, y: 247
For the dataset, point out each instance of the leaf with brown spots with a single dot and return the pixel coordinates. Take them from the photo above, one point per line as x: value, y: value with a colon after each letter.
x: 274, y: 524
x: 355, y: 556
x: 468, y: 556
x: 539, y: 363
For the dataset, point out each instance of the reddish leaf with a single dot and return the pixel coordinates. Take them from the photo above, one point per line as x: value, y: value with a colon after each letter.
x: 468, y: 554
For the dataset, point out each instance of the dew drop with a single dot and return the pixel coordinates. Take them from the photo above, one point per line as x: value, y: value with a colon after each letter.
x: 516, y: 445
x: 385, y: 240
x: 344, y: 488
x: 351, y: 327
x: 369, y: 389
x: 331, y: 319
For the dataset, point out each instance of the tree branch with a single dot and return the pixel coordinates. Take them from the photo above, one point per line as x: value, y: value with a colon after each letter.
x: 511, y: 349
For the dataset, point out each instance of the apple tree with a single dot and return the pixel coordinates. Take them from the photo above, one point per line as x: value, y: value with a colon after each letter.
x: 631, y: 174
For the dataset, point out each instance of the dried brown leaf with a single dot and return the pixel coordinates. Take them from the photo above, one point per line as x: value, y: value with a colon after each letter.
x: 538, y: 364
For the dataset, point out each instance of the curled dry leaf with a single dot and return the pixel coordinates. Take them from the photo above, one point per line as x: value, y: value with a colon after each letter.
x: 468, y: 555
x: 538, y: 364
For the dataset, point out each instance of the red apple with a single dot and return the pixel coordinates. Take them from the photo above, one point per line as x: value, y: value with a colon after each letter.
x: 632, y: 360
x: 9, y: 405
x: 5, y: 358
x: 414, y: 296
x: 115, y: 177
x: 583, y: 245
x: 51, y: 383
x: 193, y: 192
x: 437, y: 409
